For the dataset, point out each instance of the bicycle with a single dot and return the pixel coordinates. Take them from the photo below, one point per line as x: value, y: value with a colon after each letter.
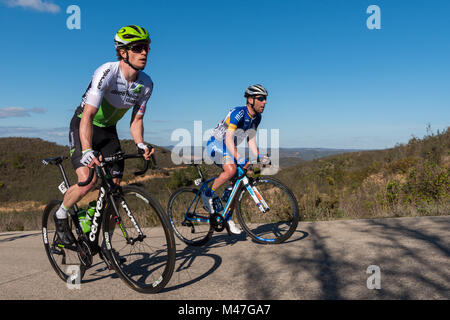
x: 138, y: 242
x: 271, y: 219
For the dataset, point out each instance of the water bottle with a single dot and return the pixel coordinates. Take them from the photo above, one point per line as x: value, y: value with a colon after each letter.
x: 91, y: 208
x: 227, y: 193
x: 85, y: 217
x: 217, y: 204
x: 85, y: 220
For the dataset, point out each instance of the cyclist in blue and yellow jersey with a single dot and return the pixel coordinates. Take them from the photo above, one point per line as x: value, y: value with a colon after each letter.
x: 115, y: 88
x: 240, y: 123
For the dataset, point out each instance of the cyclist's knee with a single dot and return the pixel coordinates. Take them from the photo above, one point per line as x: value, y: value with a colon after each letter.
x: 229, y: 170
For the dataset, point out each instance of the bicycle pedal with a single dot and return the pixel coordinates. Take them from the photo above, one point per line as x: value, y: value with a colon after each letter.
x: 56, y: 251
x: 186, y: 224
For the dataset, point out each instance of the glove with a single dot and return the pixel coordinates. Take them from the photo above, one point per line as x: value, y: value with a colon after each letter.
x: 141, y: 147
x: 88, y: 156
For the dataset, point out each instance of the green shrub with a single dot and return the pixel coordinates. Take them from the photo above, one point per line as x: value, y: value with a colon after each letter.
x: 392, y: 191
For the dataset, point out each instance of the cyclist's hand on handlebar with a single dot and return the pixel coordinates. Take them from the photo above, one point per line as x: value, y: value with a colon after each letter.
x: 89, y: 158
x: 148, y: 153
x: 145, y: 150
x: 264, y: 160
x: 242, y: 161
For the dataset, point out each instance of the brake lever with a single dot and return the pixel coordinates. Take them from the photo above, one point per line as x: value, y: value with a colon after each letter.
x: 91, y: 171
x: 147, y: 162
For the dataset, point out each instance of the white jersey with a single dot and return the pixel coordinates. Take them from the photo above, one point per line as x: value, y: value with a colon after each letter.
x: 113, y: 95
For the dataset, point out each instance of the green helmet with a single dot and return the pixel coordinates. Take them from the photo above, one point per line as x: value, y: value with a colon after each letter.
x: 130, y: 34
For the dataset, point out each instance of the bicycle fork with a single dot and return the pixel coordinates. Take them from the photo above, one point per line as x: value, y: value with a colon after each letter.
x: 118, y: 221
x: 256, y: 196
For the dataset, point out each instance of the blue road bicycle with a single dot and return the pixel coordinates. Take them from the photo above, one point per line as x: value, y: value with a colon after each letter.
x: 266, y: 209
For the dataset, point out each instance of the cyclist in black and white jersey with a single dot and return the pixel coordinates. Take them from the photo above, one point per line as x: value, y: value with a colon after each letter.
x: 115, y: 88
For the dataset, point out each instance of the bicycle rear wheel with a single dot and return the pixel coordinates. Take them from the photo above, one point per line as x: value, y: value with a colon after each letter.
x: 189, y: 220
x: 65, y: 260
x: 277, y: 224
x: 141, y: 247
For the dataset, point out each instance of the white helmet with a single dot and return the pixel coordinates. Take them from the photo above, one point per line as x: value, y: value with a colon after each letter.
x: 256, y: 90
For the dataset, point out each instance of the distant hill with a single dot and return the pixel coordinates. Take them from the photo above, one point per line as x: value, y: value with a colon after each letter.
x: 308, y: 154
x: 408, y: 180
x: 23, y: 177
x: 289, y: 156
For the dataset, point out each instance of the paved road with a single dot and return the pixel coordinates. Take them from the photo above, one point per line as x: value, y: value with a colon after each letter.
x: 323, y: 260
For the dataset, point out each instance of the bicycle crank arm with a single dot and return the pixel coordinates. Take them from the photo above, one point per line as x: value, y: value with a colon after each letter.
x: 68, y: 247
x: 187, y: 223
x: 57, y: 251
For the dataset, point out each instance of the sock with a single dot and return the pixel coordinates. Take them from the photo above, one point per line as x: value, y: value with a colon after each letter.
x: 62, y: 212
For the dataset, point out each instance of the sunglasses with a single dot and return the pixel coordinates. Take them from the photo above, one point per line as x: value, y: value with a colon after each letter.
x: 139, y: 47
x: 261, y: 99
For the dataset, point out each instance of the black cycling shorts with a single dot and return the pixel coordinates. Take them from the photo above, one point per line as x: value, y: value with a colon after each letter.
x: 104, y: 140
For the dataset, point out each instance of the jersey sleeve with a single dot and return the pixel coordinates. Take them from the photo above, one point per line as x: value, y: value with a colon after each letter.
x: 142, y: 103
x: 99, y: 83
x: 233, y: 121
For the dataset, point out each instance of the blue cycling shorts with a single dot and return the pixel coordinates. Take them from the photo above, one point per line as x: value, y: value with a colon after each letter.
x: 218, y: 152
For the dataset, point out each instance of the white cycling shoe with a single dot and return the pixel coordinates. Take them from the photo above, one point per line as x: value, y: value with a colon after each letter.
x: 207, y: 203
x: 233, y: 228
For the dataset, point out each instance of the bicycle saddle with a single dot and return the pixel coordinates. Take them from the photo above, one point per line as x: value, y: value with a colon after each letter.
x: 56, y: 160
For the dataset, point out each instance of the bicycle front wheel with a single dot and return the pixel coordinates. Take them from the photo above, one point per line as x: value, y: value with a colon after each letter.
x: 190, y: 221
x: 141, y: 247
x: 279, y: 222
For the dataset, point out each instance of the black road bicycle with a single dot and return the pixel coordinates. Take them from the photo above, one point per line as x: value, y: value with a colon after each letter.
x: 266, y: 209
x: 138, y: 242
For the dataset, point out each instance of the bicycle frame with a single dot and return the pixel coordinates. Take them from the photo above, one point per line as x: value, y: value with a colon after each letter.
x: 226, y: 213
x: 107, y: 190
x: 105, y: 196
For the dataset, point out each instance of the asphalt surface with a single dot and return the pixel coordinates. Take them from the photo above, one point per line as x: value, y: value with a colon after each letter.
x: 322, y: 260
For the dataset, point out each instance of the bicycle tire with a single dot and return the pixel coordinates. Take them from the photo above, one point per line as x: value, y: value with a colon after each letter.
x: 61, y: 259
x: 179, y: 202
x: 276, y: 225
x: 142, y: 259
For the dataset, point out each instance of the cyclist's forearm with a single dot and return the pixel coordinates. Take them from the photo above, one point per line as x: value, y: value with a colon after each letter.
x: 86, y: 129
x: 252, y: 146
x: 137, y: 130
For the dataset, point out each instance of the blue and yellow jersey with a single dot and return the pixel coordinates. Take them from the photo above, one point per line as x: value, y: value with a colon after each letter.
x: 239, y: 120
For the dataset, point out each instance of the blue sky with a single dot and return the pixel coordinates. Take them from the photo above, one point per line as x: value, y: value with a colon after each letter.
x: 332, y: 82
